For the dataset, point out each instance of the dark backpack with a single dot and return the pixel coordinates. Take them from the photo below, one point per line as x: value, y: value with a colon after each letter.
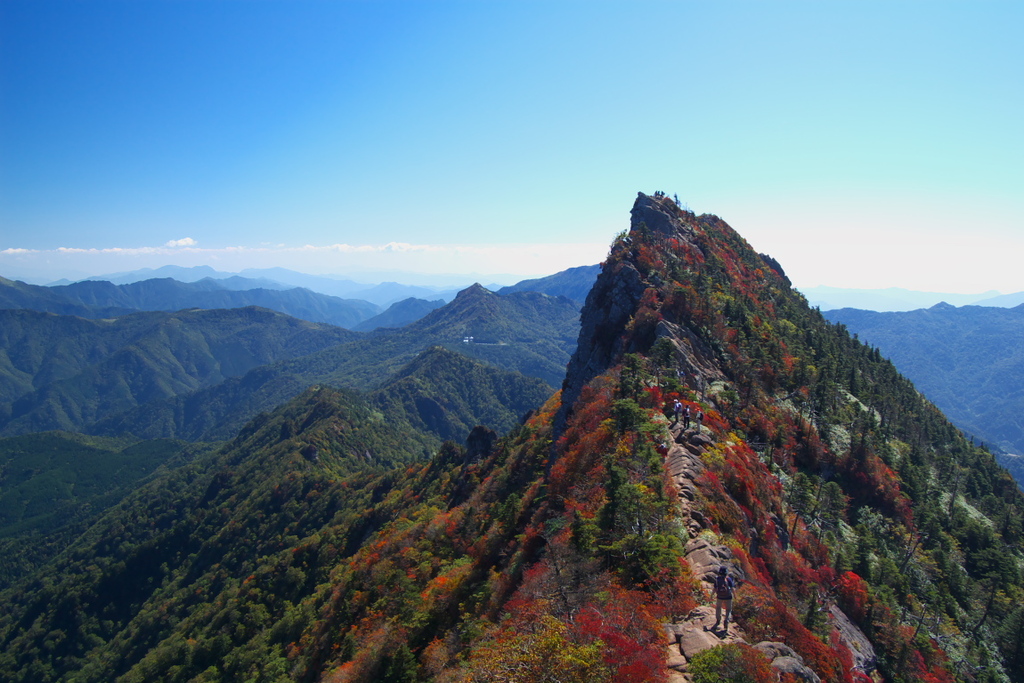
x: 723, y: 587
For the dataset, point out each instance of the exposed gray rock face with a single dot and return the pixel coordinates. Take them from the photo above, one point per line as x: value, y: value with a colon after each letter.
x: 695, y: 634
x: 794, y: 666
x: 699, y: 441
x: 694, y: 356
x: 774, y: 649
x: 659, y: 214
x: 705, y: 559
x: 609, y: 308
x: 786, y: 660
x: 614, y: 300
x: 862, y: 649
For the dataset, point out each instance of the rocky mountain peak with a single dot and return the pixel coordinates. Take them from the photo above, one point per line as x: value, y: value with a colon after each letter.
x: 616, y: 297
x: 660, y: 214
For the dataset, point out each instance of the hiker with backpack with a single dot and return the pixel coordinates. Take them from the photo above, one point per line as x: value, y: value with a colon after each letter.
x: 700, y: 420
x: 677, y: 408
x: 725, y: 587
x: 686, y: 417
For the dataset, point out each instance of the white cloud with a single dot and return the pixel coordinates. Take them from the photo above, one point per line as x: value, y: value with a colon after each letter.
x: 185, y: 242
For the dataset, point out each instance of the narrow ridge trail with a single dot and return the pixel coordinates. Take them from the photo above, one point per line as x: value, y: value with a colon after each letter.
x: 695, y: 633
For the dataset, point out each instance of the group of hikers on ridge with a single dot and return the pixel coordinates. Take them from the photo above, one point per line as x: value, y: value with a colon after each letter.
x: 684, y: 412
x: 724, y: 584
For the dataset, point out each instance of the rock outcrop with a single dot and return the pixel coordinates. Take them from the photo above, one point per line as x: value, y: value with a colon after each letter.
x: 615, y: 299
x: 863, y: 651
x: 609, y: 308
x: 660, y: 215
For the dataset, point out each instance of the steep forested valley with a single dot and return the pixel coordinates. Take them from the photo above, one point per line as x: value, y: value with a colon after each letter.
x: 967, y: 360
x: 501, y: 490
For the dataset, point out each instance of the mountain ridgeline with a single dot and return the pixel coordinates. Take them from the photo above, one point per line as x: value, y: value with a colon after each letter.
x: 333, y: 540
x: 528, y: 333
x: 100, y: 299
x: 202, y: 374
x: 400, y: 314
x: 573, y: 283
x: 66, y: 372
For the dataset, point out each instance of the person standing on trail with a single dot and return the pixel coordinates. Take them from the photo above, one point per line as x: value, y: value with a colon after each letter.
x: 700, y: 419
x: 686, y: 417
x: 677, y: 408
x: 724, y: 589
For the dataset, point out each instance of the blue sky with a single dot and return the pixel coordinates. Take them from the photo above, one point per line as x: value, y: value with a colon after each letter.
x: 862, y: 144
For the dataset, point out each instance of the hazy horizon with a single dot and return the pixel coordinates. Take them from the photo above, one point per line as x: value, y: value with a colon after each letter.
x: 364, y: 276
x: 826, y: 297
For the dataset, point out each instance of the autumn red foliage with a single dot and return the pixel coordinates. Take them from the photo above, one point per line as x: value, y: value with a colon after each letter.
x: 852, y: 596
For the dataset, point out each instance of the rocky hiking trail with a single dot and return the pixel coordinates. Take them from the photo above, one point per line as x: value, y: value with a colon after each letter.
x: 693, y: 634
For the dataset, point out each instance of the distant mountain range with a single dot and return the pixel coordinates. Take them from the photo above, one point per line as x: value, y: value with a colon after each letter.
x: 382, y: 294
x: 19, y: 295
x: 574, y: 284
x: 969, y: 361
x: 201, y: 374
x: 100, y: 299
x: 339, y: 302
x: 897, y: 299
x: 400, y: 314
x: 529, y: 333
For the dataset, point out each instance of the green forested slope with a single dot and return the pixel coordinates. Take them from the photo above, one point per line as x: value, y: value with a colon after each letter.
x: 529, y: 333
x: 447, y: 394
x: 969, y: 361
x: 52, y: 484
x: 211, y: 414
x: 207, y: 556
x: 63, y: 372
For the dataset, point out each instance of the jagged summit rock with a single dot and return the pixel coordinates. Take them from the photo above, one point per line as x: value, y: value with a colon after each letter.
x: 616, y: 297
x: 660, y: 214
